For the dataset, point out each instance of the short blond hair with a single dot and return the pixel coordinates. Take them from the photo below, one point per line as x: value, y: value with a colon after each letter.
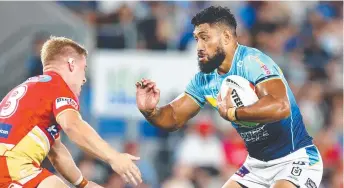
x: 56, y: 47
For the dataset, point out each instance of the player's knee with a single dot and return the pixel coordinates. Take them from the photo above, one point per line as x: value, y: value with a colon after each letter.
x: 52, y: 182
x: 284, y: 184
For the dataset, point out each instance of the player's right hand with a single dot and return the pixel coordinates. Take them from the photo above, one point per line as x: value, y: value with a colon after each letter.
x: 224, y: 104
x: 124, y: 166
x: 147, y: 95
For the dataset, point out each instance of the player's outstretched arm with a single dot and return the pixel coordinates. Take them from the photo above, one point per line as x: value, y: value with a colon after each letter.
x: 63, y: 162
x: 81, y: 133
x: 170, y: 117
x: 273, y: 104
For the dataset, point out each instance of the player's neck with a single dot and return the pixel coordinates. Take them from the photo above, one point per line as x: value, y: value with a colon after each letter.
x: 62, y: 73
x: 50, y: 68
x: 227, y: 63
x: 56, y: 70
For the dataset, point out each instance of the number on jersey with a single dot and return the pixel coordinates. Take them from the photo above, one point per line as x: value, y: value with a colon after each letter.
x: 10, y: 105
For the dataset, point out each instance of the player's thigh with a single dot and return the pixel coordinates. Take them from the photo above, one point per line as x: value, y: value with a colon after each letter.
x: 232, y: 184
x: 52, y: 182
x: 283, y: 184
x: 301, y: 174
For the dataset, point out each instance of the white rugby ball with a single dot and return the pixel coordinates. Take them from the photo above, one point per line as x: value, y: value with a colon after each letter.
x: 242, y: 94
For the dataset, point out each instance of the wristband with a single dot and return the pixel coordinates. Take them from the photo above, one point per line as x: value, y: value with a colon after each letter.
x: 235, y: 114
x: 231, y: 114
x: 81, y: 182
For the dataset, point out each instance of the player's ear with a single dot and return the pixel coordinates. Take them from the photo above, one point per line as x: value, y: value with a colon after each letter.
x: 71, y: 64
x: 227, y: 36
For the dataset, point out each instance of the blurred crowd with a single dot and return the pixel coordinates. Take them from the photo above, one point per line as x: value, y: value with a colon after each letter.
x: 304, y: 38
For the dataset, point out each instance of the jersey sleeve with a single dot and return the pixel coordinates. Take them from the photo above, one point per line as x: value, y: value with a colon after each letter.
x: 64, y: 100
x: 260, y: 68
x: 193, y: 89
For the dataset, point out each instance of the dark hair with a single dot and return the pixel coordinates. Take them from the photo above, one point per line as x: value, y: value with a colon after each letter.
x: 213, y: 15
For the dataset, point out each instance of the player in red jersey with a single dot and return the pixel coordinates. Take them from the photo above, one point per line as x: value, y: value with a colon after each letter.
x: 32, y: 115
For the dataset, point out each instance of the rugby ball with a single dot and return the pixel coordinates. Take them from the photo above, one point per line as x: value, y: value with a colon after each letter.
x: 242, y: 94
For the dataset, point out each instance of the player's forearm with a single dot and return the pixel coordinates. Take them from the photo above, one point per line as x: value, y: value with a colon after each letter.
x: 162, y: 117
x: 64, y: 164
x: 82, y: 134
x: 265, y: 110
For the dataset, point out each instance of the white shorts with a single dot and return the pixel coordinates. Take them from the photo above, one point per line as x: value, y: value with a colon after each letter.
x: 304, y: 168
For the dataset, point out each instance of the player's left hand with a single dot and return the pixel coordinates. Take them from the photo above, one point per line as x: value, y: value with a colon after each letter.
x: 91, y: 184
x: 224, y: 104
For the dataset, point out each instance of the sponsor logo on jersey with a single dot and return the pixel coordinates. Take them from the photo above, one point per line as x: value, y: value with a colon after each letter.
x: 5, y: 130
x: 63, y: 101
x: 44, y: 78
x: 40, y: 78
x: 242, y: 171
x: 265, y: 69
x: 310, y: 183
x: 53, y: 131
x: 296, y: 171
x: 263, y: 66
x: 255, y: 135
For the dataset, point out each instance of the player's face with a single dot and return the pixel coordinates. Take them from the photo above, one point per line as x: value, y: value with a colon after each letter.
x: 79, y: 74
x: 210, y: 50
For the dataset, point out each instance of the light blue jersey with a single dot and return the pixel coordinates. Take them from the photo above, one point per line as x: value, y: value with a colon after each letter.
x: 266, y: 141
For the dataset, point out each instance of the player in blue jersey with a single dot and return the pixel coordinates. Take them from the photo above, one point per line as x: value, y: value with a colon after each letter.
x: 281, y: 153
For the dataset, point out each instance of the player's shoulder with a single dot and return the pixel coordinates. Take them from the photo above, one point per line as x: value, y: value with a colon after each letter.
x: 56, y: 82
x: 55, y: 78
x: 50, y: 83
x: 62, y: 94
x: 250, y: 53
x: 45, y: 80
x: 251, y: 56
x: 39, y: 79
x: 198, y: 78
x: 40, y: 83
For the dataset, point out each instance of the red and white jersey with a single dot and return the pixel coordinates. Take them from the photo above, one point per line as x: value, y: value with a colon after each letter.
x: 28, y: 115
